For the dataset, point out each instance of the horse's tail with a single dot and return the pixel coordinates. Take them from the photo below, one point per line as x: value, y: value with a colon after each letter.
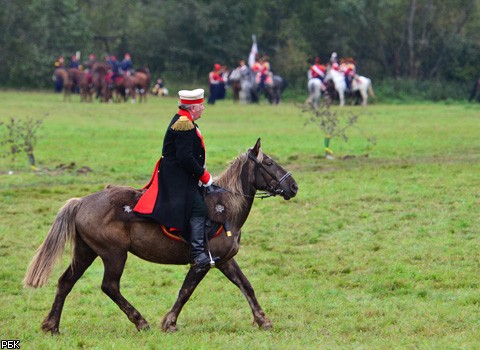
x: 62, y: 230
x: 370, y: 89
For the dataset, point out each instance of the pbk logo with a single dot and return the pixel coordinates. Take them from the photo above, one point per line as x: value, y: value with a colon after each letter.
x: 10, y: 344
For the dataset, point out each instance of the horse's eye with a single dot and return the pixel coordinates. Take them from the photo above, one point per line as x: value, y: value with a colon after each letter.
x: 269, y: 162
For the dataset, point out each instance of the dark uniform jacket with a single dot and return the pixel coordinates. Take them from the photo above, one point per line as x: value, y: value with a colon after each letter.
x: 169, y: 197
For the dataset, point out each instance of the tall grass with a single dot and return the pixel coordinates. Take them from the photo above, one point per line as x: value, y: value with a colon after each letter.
x: 375, y: 252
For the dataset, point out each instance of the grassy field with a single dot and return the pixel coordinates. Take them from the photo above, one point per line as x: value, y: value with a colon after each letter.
x: 377, y: 252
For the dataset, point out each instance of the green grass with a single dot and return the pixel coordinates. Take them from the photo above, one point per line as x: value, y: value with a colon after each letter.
x: 375, y: 252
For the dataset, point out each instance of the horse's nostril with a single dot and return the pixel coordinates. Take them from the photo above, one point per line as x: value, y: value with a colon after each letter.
x: 294, y: 188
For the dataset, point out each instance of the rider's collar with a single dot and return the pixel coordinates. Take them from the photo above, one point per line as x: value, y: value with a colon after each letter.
x: 185, y: 113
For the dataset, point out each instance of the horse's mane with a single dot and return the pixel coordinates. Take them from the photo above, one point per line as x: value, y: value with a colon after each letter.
x: 231, y: 180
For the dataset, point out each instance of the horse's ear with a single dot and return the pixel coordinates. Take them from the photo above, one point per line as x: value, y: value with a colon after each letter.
x: 256, y: 148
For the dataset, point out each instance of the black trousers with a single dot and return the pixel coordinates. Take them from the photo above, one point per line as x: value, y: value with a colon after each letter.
x: 199, y: 208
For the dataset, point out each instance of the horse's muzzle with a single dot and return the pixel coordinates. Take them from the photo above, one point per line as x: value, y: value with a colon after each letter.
x: 291, y: 192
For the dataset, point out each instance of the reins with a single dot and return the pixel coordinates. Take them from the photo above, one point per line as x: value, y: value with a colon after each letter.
x: 272, y: 191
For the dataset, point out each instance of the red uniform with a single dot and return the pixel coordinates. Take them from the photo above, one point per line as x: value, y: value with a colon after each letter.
x: 318, y: 71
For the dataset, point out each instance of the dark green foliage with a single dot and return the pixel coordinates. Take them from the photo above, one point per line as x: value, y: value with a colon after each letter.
x: 180, y: 40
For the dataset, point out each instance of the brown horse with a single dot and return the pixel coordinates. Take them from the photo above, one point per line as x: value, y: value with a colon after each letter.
x: 123, y: 87
x: 86, y: 86
x: 102, y: 224
x: 62, y: 74
x: 141, y: 81
x: 75, y: 77
x: 99, y: 74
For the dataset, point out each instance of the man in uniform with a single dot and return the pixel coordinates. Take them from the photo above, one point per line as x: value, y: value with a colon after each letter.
x: 317, y: 70
x: 59, y: 64
x: 127, y: 65
x: 215, y: 80
x: 174, y: 196
x: 74, y: 62
x: 348, y: 68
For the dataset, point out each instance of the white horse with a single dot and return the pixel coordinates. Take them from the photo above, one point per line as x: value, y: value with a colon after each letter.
x: 243, y: 85
x: 314, y: 87
x: 338, y: 80
x: 364, y: 86
x: 360, y: 83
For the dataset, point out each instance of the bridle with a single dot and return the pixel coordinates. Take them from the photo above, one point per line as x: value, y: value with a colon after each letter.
x: 271, y: 190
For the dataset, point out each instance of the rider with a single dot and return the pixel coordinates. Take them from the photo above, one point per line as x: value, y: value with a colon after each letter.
x: 348, y: 68
x: 126, y: 65
x: 74, y: 62
x: 257, y: 65
x: 264, y: 75
x: 317, y: 70
x: 59, y: 64
x: 114, y: 67
x: 174, y: 197
x: 242, y: 66
x: 89, y: 64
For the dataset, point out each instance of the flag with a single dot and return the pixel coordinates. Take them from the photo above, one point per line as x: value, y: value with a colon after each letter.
x: 253, y: 52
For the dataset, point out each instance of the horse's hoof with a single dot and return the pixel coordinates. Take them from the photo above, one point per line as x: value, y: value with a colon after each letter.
x: 144, y: 326
x: 170, y: 329
x: 266, y: 325
x: 169, y: 324
x: 48, y: 328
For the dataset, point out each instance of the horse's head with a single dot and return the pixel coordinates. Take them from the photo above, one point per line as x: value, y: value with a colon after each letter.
x: 270, y: 176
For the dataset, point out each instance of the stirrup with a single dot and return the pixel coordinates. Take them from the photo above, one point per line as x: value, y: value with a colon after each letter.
x: 204, y: 264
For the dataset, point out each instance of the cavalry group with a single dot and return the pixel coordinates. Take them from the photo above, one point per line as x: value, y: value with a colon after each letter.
x: 336, y: 79
x: 248, y: 82
x: 113, y: 80
x: 107, y: 80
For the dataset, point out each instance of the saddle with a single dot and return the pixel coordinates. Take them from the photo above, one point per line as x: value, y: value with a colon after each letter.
x: 124, y: 198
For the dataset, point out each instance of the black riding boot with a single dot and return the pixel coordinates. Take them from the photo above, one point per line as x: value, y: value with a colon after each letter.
x: 198, y: 257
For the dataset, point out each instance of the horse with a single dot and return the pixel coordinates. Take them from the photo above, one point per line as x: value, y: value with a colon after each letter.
x: 242, y: 81
x: 247, y: 90
x: 103, y: 224
x: 141, y: 82
x: 99, y: 78
x: 61, y: 74
x: 131, y: 83
x: 274, y: 90
x: 314, y: 87
x: 75, y: 78
x: 337, y: 80
x: 363, y: 85
x: 360, y: 84
x: 86, y: 87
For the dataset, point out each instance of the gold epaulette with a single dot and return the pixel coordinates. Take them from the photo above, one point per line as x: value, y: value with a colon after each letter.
x: 183, y: 124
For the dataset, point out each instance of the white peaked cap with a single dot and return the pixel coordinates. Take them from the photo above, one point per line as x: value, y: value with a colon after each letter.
x: 191, y: 96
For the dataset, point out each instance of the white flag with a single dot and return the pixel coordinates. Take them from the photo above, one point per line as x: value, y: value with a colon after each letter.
x: 253, y: 52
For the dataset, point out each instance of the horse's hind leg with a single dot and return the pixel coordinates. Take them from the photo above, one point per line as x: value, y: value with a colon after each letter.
x: 83, y: 256
x: 169, y: 323
x: 233, y: 272
x: 114, y: 264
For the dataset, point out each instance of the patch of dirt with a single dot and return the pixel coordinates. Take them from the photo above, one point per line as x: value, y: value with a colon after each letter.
x: 57, y: 170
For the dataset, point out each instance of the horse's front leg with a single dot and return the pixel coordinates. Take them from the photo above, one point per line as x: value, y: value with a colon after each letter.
x: 169, y: 323
x: 233, y: 272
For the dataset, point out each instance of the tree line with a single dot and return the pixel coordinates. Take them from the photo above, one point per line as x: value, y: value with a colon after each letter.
x: 181, y: 39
